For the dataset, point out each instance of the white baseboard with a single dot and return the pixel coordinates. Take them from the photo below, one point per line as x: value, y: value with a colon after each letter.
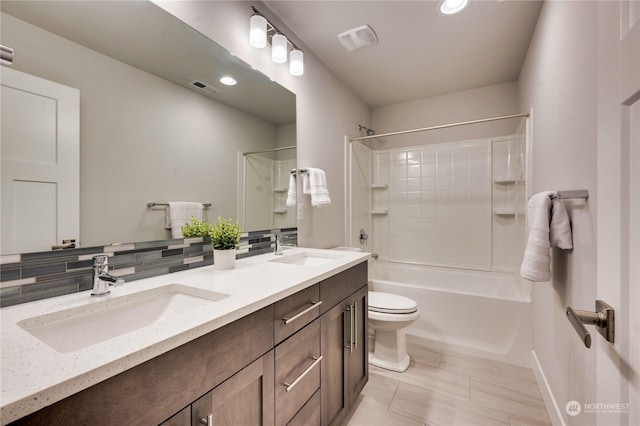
x: 555, y: 415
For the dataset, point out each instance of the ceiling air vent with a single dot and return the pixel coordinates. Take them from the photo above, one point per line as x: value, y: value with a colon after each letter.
x: 358, y: 38
x: 205, y: 87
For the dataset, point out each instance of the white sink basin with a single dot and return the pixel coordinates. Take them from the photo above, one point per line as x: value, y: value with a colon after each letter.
x: 77, y: 328
x: 305, y: 259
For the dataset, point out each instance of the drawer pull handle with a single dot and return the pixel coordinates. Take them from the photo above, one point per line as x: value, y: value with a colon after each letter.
x: 355, y: 325
x: 298, y: 315
x: 208, y: 421
x: 304, y: 373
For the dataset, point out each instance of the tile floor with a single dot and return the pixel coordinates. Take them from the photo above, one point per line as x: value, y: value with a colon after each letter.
x: 447, y: 388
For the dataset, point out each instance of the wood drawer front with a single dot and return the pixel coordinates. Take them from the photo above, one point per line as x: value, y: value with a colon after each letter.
x: 292, y: 310
x: 294, y: 357
x: 147, y: 394
x: 309, y: 414
x: 335, y: 289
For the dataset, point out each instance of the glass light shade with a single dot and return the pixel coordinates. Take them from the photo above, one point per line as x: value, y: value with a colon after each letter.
x: 279, y: 49
x: 449, y: 7
x: 296, y: 62
x: 258, y: 31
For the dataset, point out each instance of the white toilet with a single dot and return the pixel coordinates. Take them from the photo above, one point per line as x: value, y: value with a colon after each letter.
x: 389, y: 315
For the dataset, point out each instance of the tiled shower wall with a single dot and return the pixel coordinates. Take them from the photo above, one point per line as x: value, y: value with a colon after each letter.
x: 436, y: 206
x: 34, y: 276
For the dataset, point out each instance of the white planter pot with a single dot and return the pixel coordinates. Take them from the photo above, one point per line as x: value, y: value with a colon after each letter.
x: 224, y: 259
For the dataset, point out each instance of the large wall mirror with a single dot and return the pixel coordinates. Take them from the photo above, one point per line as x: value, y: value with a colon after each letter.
x: 148, y: 129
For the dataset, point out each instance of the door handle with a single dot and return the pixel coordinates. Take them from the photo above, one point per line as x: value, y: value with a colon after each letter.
x: 603, y: 318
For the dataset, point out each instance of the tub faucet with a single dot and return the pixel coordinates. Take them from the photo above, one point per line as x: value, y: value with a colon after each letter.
x: 101, y: 278
x: 279, y: 245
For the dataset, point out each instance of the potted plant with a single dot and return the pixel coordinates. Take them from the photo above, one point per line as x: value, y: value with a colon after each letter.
x: 197, y: 228
x: 225, y: 236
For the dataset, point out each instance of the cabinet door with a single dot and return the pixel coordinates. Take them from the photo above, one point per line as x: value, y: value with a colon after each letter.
x: 334, y: 332
x: 246, y: 398
x: 358, y: 371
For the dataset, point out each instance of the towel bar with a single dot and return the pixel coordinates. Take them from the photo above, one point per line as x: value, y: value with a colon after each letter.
x: 572, y: 194
x: 293, y: 171
x: 153, y: 204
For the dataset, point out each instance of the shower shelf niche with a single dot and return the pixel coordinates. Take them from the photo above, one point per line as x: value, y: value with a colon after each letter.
x: 379, y: 186
x: 505, y: 180
x: 507, y: 212
x: 280, y: 189
x: 379, y: 212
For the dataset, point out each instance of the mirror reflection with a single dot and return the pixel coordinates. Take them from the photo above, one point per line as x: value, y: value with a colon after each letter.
x: 147, y: 131
x: 267, y: 202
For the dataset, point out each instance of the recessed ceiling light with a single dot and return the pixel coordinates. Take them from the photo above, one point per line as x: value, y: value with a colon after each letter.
x: 449, y: 7
x: 229, y: 81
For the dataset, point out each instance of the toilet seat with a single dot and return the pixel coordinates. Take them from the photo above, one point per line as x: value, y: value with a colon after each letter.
x: 391, y: 303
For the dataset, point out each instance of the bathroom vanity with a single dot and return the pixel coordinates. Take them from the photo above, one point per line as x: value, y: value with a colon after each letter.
x: 286, y: 346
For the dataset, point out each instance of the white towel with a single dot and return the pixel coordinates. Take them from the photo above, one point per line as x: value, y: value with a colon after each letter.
x: 549, y: 226
x: 318, y: 188
x: 291, y: 194
x: 536, y: 264
x: 179, y: 213
x: 560, y: 228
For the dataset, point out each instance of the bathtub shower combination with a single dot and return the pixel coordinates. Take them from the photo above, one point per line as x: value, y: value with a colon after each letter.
x: 446, y: 224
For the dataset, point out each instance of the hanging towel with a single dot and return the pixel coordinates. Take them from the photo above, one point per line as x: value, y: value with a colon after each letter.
x: 291, y: 194
x: 549, y: 226
x: 318, y: 188
x: 179, y: 213
x: 536, y: 264
x: 560, y: 228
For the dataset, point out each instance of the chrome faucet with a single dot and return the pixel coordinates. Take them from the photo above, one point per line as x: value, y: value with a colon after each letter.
x: 279, y: 244
x: 101, y: 278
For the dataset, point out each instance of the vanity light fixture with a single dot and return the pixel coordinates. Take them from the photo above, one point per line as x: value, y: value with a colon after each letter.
x: 228, y: 80
x: 258, y: 31
x: 263, y: 33
x: 449, y: 7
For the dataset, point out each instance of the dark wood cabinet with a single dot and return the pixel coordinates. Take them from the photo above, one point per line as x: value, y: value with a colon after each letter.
x: 343, y: 331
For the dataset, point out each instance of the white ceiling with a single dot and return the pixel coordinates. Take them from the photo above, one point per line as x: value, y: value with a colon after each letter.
x: 421, y: 52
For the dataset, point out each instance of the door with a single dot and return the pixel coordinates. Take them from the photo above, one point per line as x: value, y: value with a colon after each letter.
x: 246, y: 398
x: 40, y: 162
x: 358, y: 372
x: 333, y: 337
x: 618, y: 372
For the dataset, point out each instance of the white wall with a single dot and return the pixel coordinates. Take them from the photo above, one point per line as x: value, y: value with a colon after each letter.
x: 141, y: 138
x: 467, y: 105
x: 326, y: 109
x: 559, y: 82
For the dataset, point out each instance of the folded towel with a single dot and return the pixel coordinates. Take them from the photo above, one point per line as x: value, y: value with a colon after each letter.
x: 291, y: 194
x: 306, y: 186
x: 179, y: 213
x: 318, y: 188
x: 560, y: 228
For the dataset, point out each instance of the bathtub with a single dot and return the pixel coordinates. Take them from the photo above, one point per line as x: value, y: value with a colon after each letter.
x: 484, y: 314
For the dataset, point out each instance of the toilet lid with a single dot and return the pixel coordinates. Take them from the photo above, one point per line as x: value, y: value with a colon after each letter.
x: 391, y: 303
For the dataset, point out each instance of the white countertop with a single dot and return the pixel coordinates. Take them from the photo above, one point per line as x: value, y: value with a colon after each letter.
x: 33, y: 375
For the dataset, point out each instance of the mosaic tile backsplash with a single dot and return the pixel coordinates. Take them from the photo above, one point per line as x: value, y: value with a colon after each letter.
x: 35, y: 276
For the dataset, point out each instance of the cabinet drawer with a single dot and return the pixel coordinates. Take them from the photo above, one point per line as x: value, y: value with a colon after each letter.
x: 296, y: 311
x: 309, y: 415
x: 335, y: 289
x: 297, y: 371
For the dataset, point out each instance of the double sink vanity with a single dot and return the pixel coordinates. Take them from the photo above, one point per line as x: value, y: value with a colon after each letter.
x: 277, y: 340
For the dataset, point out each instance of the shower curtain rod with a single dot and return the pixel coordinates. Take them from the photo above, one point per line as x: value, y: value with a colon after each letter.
x: 442, y: 126
x: 269, y: 150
